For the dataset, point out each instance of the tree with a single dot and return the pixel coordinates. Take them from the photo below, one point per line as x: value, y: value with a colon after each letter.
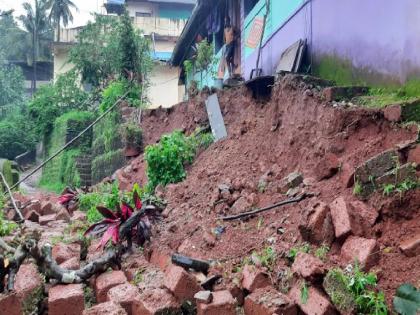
x: 110, y: 48
x: 11, y: 86
x: 36, y: 23
x: 61, y: 11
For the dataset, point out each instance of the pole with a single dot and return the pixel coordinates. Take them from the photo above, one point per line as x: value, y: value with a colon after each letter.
x: 71, y: 141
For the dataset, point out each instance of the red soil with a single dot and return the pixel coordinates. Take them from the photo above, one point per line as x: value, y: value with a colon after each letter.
x: 309, y: 129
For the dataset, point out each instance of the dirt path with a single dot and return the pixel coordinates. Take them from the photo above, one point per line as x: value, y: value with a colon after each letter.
x: 29, y: 186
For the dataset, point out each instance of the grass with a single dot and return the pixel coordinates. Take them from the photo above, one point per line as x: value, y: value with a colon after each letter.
x: 380, y: 97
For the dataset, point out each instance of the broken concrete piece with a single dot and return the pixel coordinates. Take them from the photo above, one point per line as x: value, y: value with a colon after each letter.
x: 269, y: 301
x: 340, y: 215
x: 127, y: 295
x: 109, y: 308
x: 290, y: 181
x: 106, y: 281
x: 406, y: 172
x: 253, y: 278
x: 318, y: 227
x: 317, y: 303
x: 158, y: 301
x: 182, y: 284
x: 339, y: 93
x: 362, y: 250
x: 411, y: 246
x: 223, y: 303
x: 66, y: 299
x: 308, y: 266
x: 376, y: 166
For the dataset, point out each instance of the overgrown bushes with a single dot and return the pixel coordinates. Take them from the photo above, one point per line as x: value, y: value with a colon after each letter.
x: 107, y: 195
x: 53, y: 100
x: 61, y: 171
x: 166, y: 160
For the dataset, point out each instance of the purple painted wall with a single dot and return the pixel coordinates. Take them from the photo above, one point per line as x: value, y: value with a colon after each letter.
x: 380, y: 37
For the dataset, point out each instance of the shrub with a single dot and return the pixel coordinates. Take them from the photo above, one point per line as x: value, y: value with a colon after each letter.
x: 116, y: 90
x: 355, y: 289
x: 133, y: 135
x: 107, y: 195
x: 166, y: 160
x: 6, y: 227
x: 54, y: 100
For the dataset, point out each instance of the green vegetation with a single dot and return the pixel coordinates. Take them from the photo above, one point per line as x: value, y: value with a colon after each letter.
x: 62, y: 171
x: 267, y: 257
x: 407, y: 300
x: 337, y: 70
x: 133, y: 135
x: 358, y: 189
x: 107, y: 195
x: 53, y: 100
x: 387, y: 95
x: 202, y: 62
x: 400, y: 188
x: 304, y: 292
x: 6, y: 227
x: 166, y: 160
x: 119, y: 52
x: 116, y: 90
x: 303, y: 248
x: 355, y: 290
x: 322, y: 251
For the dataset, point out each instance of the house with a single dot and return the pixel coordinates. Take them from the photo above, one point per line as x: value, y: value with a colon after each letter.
x: 162, y: 21
x: 353, y: 41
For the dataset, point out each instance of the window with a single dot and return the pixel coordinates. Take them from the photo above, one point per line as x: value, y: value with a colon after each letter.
x: 249, y: 5
x: 143, y: 14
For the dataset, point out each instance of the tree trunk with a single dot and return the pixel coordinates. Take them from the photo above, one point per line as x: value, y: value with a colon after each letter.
x: 58, y: 31
x: 34, y: 43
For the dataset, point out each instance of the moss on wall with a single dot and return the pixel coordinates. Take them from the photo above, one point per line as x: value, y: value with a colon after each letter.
x: 107, y: 147
x: 335, y: 69
x: 62, y: 170
x: 106, y: 164
x: 9, y: 171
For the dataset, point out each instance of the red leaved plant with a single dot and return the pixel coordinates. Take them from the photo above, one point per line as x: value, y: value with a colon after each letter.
x: 69, y: 199
x: 110, y: 226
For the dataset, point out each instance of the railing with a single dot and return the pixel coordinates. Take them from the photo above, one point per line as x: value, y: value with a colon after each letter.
x: 68, y: 35
x: 160, y: 26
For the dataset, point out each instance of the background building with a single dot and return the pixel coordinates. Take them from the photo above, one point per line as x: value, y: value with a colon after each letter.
x: 162, y: 21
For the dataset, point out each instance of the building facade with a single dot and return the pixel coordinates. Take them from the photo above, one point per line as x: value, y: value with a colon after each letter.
x: 162, y: 21
x: 355, y: 41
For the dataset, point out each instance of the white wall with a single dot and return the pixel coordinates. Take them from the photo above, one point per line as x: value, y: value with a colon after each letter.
x: 163, y: 89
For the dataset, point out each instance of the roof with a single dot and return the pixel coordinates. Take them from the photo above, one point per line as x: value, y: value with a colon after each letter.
x: 190, y: 31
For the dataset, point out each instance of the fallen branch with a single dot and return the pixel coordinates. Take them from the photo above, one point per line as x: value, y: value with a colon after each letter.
x: 256, y: 211
x: 6, y: 247
x: 9, y: 191
x: 49, y: 267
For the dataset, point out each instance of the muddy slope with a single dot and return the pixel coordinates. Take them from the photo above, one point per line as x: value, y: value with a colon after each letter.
x: 294, y: 131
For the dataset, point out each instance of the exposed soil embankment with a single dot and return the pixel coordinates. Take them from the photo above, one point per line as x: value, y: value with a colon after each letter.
x: 294, y: 131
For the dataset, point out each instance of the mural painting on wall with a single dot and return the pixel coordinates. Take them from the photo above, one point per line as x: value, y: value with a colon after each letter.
x: 255, y: 33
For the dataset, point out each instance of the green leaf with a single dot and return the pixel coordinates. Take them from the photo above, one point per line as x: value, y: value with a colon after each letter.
x: 407, y: 300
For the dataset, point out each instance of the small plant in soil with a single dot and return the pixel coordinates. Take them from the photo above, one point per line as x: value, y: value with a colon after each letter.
x: 355, y: 290
x: 357, y: 190
x: 266, y: 257
x: 303, y: 248
x: 124, y: 223
x: 322, y: 251
x: 304, y: 292
x: 138, y: 277
x: 166, y: 160
x: 6, y: 227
